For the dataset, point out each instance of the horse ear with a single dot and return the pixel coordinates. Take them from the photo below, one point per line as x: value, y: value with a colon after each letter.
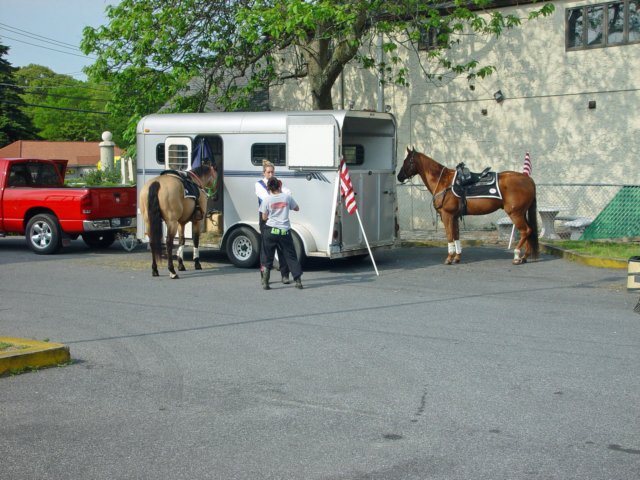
x: 408, y: 150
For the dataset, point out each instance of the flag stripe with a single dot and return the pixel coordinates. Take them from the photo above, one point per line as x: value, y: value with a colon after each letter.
x: 527, y: 165
x: 346, y: 188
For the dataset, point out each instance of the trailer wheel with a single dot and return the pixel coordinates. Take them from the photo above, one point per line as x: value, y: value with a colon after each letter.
x: 43, y: 234
x: 99, y: 239
x: 243, y: 247
x: 299, y: 246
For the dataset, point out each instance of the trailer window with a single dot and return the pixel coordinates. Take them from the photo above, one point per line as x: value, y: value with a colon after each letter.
x: 353, y: 154
x: 178, y: 157
x: 276, y: 153
x: 160, y: 153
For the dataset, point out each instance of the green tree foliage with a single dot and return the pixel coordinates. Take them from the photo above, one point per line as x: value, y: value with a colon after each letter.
x: 152, y: 50
x: 65, y: 109
x: 14, y: 124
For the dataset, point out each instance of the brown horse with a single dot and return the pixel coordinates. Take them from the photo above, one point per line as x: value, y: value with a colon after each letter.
x: 518, y: 201
x: 163, y: 198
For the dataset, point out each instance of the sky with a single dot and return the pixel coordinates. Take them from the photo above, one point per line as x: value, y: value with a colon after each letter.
x: 48, y: 32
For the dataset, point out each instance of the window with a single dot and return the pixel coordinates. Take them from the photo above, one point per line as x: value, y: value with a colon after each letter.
x: 160, y: 154
x: 178, y: 157
x: 276, y: 153
x: 18, y: 177
x: 432, y: 38
x: 603, y: 25
x: 353, y: 154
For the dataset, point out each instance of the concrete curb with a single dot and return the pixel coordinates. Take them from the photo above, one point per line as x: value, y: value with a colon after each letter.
x: 599, y: 262
x: 35, y: 354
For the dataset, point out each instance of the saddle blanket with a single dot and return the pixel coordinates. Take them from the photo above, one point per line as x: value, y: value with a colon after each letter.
x: 487, y: 187
x: 191, y: 190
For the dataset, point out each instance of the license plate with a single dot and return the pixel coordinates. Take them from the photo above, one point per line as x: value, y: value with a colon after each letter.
x: 115, y: 222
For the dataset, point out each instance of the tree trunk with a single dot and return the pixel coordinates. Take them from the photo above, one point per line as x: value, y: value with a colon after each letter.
x: 326, y: 60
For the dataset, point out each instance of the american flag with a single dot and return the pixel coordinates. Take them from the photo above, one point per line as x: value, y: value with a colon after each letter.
x: 526, y: 169
x: 346, y: 188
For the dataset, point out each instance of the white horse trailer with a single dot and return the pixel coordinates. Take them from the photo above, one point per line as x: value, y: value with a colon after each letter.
x: 306, y: 148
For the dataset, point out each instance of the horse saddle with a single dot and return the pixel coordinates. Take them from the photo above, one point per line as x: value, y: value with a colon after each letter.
x: 465, y: 177
x: 191, y: 189
x: 471, y: 184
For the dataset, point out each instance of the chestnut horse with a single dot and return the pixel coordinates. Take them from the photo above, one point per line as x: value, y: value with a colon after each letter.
x: 163, y: 198
x: 518, y: 201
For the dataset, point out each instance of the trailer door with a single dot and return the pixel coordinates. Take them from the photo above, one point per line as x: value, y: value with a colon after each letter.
x: 312, y: 142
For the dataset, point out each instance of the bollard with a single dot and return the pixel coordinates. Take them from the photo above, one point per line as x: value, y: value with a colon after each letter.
x: 633, y: 274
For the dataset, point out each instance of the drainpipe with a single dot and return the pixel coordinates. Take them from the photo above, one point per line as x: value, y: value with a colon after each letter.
x: 380, y: 75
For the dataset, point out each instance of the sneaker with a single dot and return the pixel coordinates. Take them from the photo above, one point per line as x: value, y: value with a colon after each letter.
x: 286, y: 280
x: 299, y: 284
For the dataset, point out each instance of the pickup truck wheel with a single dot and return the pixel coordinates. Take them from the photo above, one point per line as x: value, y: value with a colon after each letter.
x: 44, y: 235
x: 243, y: 247
x: 99, y: 239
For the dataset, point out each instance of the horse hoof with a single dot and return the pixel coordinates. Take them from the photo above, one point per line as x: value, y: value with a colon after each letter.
x: 155, y: 274
x: 181, y: 268
x: 174, y: 276
x: 448, y: 261
x: 456, y: 259
x: 519, y: 261
x: 198, y: 266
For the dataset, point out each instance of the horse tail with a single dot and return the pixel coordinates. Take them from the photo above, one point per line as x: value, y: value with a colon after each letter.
x: 155, y: 218
x: 532, y: 220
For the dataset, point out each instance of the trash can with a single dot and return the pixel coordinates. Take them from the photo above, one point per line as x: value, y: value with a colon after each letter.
x: 633, y: 275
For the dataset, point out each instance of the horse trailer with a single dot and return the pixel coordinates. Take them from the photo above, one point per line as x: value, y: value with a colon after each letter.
x: 306, y: 149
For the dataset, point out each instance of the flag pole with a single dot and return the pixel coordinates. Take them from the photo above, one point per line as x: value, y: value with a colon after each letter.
x: 367, y: 242
x: 513, y: 230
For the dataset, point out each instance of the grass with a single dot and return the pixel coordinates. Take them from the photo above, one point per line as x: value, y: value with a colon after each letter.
x: 618, y: 250
x: 6, y: 347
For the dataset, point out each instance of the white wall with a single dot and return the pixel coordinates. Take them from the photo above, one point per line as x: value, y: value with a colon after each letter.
x: 545, y: 111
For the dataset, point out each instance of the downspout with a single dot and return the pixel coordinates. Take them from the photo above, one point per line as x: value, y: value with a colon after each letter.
x: 380, y: 74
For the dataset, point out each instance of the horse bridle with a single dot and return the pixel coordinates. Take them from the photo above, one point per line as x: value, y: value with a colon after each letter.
x: 411, y: 162
x: 442, y: 193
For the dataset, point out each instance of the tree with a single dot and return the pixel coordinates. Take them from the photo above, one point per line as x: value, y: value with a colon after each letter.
x: 153, y: 49
x: 65, y: 109
x: 14, y: 124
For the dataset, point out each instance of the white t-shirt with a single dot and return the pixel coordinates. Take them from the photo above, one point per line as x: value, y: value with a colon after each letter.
x: 263, y: 193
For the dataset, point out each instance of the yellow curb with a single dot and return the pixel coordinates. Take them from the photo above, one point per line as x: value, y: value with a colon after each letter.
x: 35, y: 354
x: 600, y: 262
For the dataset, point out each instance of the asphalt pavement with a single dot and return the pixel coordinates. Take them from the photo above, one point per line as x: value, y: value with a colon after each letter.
x: 482, y: 370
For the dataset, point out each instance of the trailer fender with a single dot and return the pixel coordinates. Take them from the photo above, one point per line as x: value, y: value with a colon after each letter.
x: 308, y: 242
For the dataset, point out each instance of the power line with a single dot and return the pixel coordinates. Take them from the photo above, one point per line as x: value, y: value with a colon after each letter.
x: 35, y: 36
x: 38, y: 87
x: 47, y: 48
x: 54, y: 108
x: 51, y: 87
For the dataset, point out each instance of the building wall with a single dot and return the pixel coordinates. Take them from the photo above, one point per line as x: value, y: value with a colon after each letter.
x: 545, y: 112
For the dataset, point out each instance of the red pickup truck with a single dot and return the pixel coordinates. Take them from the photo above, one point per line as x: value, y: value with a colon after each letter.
x: 34, y: 202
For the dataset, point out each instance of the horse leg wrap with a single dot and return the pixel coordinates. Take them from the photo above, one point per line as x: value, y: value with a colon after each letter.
x: 458, y: 246
x: 451, y: 248
x: 196, y: 258
x: 516, y: 254
x: 181, y: 252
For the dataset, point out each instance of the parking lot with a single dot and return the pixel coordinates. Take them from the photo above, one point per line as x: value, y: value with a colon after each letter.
x: 477, y: 371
